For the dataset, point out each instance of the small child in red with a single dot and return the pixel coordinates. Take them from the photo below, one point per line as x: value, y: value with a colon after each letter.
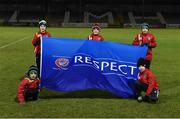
x: 29, y: 87
x: 37, y: 41
x: 146, y: 82
x: 95, y: 33
x: 148, y: 39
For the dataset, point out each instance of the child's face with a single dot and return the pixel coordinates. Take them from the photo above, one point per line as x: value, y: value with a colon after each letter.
x: 141, y: 68
x: 95, y: 31
x: 145, y: 30
x: 33, y: 75
x: 42, y: 28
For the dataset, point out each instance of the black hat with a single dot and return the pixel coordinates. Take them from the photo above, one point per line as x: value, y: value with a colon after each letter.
x: 141, y: 62
x: 32, y: 68
x: 42, y: 22
x: 145, y: 25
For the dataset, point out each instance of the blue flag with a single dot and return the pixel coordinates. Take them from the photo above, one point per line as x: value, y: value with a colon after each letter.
x: 72, y: 64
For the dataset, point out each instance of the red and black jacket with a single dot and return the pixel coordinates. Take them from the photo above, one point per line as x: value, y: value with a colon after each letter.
x: 26, y: 84
x: 146, y: 38
x: 148, y: 78
x: 95, y: 37
x: 37, y: 43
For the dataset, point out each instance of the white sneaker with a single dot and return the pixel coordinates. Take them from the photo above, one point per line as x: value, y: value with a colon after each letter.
x: 140, y: 99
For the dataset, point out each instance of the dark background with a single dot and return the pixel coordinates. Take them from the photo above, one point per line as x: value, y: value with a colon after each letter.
x: 31, y: 11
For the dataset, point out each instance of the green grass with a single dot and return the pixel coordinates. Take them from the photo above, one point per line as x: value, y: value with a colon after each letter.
x: 16, y: 58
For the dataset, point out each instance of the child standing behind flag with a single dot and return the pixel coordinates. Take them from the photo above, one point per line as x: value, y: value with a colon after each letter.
x: 95, y: 33
x: 146, y: 38
x: 37, y: 41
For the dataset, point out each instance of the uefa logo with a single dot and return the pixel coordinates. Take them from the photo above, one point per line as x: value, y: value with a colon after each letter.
x: 62, y: 62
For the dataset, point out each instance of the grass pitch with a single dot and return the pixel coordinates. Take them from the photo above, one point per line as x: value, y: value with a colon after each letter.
x: 16, y: 55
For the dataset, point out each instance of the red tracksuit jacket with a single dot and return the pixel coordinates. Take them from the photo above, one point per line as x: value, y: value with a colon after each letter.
x: 147, y: 77
x: 95, y: 37
x: 26, y: 83
x: 146, y: 38
x: 36, y: 41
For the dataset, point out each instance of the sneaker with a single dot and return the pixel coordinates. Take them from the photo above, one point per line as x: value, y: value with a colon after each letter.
x: 140, y: 99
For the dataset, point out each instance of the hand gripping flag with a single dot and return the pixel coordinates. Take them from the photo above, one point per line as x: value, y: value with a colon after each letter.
x: 72, y: 64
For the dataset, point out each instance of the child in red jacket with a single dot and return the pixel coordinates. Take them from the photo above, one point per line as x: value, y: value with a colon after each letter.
x: 148, y: 39
x: 29, y: 87
x: 95, y: 33
x: 146, y: 82
x: 37, y: 41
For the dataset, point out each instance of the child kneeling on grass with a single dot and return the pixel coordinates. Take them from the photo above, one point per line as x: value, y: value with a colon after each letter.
x: 28, y: 89
x: 146, y: 82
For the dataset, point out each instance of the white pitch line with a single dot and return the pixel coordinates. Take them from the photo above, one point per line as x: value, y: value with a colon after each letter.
x: 12, y: 43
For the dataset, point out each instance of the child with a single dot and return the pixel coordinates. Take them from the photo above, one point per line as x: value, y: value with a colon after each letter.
x: 37, y: 43
x: 146, y: 38
x: 29, y: 87
x: 95, y: 33
x: 146, y: 82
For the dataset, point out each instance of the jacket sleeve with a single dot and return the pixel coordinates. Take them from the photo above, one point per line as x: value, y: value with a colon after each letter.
x: 49, y: 35
x: 21, y: 90
x: 102, y: 39
x: 153, y: 42
x: 36, y: 40
x: 38, y: 83
x: 136, y: 40
x: 151, y: 83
